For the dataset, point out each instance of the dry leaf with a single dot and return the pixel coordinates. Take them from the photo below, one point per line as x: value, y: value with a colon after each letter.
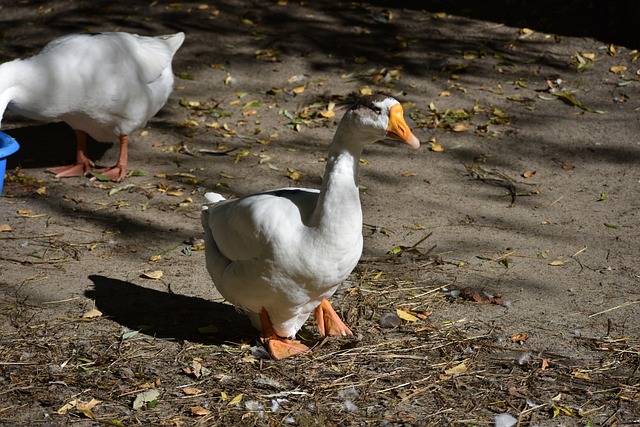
x: 408, y: 174
x: 235, y: 400
x: 5, y: 227
x: 155, y: 275
x: 174, y: 193
x: 444, y: 93
x: 618, y: 69
x: 544, y: 364
x: 200, y: 411
x: 86, y: 407
x: 528, y: 174
x: 92, y: 314
x: 435, y: 147
x: 67, y: 407
x: 458, y: 369
x: 190, y: 391
x: 327, y: 114
x: 582, y: 375
x: 568, y: 166
x: 298, y: 89
x: 405, y: 315
x: 146, y: 398
x: 365, y: 90
x: 294, y: 175
x: 556, y: 263
x: 154, y: 258
x: 41, y: 190
x: 459, y: 127
x: 519, y: 338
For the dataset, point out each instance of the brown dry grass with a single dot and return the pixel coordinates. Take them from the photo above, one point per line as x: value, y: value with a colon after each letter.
x: 420, y: 373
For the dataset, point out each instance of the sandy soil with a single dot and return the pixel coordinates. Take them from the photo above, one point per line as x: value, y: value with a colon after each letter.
x: 527, y: 184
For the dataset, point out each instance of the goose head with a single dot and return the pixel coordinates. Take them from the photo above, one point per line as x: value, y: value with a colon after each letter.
x: 376, y: 117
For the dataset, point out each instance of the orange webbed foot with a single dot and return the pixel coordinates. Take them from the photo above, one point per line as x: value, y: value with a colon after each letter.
x: 115, y: 173
x: 78, y: 169
x: 328, y: 321
x: 278, y: 347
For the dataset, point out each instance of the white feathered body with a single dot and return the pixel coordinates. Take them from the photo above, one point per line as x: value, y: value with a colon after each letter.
x: 285, y: 251
x: 276, y: 251
x: 106, y: 84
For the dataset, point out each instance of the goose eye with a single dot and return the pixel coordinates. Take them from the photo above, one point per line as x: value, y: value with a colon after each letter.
x: 377, y: 109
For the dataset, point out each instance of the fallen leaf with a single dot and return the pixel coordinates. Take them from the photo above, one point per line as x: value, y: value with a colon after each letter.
x: 582, y: 375
x: 5, y: 227
x: 294, y: 175
x: 41, y: 190
x: 365, y: 90
x: 568, y: 166
x: 459, y: 127
x: 471, y: 295
x: 519, y: 338
x: 235, y: 400
x: 155, y: 275
x: 556, y: 263
x: 444, y: 93
x: 557, y: 410
x: 298, y: 90
x: 528, y: 174
x: 611, y: 225
x: 129, y: 335
x: 146, y: 399
x: 155, y: 258
x: 92, y: 314
x: 199, y: 410
x: 405, y: 315
x: 120, y: 188
x: 174, y: 193
x: 435, y: 147
x: 458, y: 369
x: 618, y: 69
x: 408, y: 174
x: 191, y: 391
x: 86, y: 407
x: 544, y: 364
x: 67, y: 407
x: 570, y: 100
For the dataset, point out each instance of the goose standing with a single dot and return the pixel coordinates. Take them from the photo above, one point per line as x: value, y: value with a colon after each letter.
x: 105, y: 85
x: 279, y: 255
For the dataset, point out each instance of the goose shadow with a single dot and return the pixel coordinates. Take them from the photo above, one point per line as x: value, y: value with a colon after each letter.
x: 167, y: 315
x: 48, y: 145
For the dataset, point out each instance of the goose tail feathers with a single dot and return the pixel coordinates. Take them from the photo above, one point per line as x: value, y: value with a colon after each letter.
x: 212, y: 199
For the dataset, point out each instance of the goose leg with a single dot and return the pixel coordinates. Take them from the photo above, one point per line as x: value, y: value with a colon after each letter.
x: 278, y: 347
x: 83, y: 164
x: 117, y: 172
x: 328, y: 321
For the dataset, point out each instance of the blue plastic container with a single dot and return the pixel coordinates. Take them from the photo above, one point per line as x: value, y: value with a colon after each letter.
x: 8, y: 146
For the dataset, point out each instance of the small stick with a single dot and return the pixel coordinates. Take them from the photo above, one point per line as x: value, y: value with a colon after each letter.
x: 614, y: 308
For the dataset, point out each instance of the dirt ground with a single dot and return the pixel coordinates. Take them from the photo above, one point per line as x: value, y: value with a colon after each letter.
x: 501, y: 257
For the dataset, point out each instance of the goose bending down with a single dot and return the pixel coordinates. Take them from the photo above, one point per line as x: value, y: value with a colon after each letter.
x: 105, y: 85
x: 279, y: 255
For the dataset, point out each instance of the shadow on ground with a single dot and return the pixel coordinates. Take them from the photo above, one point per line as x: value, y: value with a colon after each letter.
x: 167, y: 315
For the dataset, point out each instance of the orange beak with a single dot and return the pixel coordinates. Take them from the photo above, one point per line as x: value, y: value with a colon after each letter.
x: 398, y: 128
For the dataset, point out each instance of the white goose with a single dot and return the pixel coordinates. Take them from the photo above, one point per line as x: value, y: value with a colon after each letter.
x: 278, y: 255
x: 105, y: 85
